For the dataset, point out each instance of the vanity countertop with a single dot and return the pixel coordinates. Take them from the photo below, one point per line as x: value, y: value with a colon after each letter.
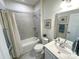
x: 53, y: 49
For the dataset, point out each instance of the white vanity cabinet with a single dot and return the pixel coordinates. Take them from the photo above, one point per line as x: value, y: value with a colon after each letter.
x: 52, y: 52
x: 49, y: 55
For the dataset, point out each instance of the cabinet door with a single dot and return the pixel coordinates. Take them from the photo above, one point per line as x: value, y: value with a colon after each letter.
x: 47, y: 54
x: 54, y: 57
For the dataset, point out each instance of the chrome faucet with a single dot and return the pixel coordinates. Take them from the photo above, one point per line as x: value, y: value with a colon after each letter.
x: 62, y: 44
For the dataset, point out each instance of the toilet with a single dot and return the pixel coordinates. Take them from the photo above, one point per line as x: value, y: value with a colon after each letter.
x: 39, y: 48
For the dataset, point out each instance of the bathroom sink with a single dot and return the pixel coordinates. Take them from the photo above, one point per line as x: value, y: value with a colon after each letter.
x: 63, y: 46
x: 63, y: 49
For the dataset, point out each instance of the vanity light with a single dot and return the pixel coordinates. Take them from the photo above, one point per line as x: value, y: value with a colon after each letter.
x: 63, y: 0
x: 67, y: 0
x: 66, y: 4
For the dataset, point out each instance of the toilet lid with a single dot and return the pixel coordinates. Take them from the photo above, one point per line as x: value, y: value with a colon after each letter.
x: 38, y: 47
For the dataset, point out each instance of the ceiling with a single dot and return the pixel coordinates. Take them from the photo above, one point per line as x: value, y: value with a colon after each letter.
x: 28, y: 2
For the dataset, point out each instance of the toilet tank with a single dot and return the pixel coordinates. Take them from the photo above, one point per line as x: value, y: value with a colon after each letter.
x: 44, y: 40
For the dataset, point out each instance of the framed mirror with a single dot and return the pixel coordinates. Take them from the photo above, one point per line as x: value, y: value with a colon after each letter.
x: 67, y: 25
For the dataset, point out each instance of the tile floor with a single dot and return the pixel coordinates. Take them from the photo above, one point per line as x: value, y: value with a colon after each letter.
x: 30, y: 55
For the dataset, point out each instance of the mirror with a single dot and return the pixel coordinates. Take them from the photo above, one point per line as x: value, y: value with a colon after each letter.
x: 67, y: 25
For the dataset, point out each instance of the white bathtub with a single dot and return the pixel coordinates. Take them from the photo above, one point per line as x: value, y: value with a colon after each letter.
x: 28, y: 44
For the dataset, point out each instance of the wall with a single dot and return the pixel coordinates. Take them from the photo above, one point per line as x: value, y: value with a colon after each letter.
x: 25, y: 24
x: 37, y: 7
x: 2, y: 5
x: 24, y: 18
x: 50, y: 8
x: 36, y: 21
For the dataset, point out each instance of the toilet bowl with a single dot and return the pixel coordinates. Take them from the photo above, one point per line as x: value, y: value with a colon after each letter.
x: 39, y: 48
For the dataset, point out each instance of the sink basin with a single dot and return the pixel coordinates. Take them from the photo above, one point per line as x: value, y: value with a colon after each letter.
x: 64, y: 49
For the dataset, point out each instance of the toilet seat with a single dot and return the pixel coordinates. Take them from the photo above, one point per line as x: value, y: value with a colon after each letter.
x: 38, y: 47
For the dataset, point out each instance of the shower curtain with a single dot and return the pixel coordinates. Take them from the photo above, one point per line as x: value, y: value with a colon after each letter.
x: 11, y: 33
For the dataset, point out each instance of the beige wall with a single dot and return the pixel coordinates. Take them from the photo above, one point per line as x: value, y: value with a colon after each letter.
x: 25, y: 25
x: 50, y: 7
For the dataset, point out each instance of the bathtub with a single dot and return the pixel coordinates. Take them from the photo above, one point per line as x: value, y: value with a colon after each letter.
x: 28, y: 44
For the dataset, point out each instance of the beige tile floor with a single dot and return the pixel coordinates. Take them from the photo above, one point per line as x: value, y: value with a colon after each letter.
x: 30, y: 55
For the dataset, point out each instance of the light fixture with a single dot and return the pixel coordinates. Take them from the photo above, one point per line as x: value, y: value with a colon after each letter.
x: 67, y: 0
x: 63, y: 0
